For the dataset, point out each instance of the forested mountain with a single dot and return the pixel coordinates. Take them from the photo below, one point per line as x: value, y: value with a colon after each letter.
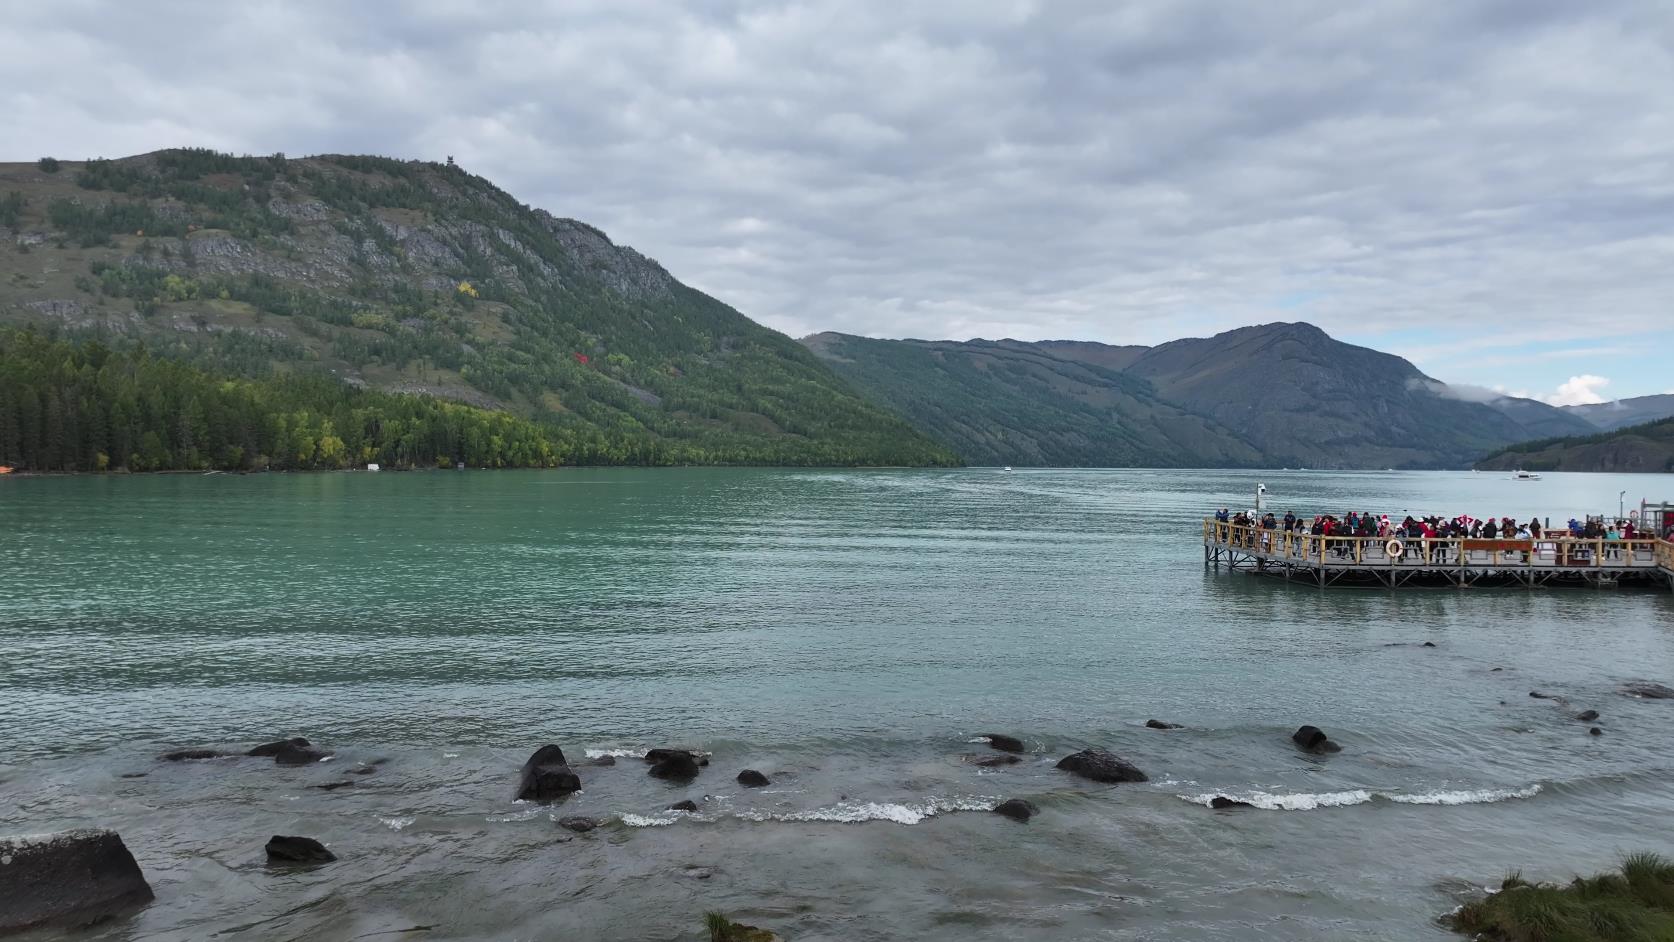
x: 1624, y: 412
x: 420, y: 278
x: 1273, y: 395
x: 1306, y: 399
x: 1021, y: 404
x: 1647, y: 447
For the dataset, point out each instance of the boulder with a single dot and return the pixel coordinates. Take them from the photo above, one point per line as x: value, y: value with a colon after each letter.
x: 1101, y: 766
x: 1159, y: 724
x: 187, y: 755
x: 676, y: 767
x: 687, y: 805
x: 1542, y: 696
x: 1429, y: 644
x: 1313, y: 739
x: 1648, y: 690
x: 722, y: 929
x: 750, y: 778
x: 658, y: 755
x: 546, y: 776
x: 1223, y: 803
x: 297, y: 850
x: 1587, y: 716
x: 1003, y: 742
x: 68, y: 879
x: 990, y: 762
x: 1016, y: 809
x: 268, y: 750
x: 578, y: 824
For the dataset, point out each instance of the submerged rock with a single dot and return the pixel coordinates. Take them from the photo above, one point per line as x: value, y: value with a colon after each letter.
x: 1587, y: 716
x: 722, y: 929
x: 1003, y: 742
x: 750, y: 778
x: 1313, y: 739
x: 1429, y: 644
x: 302, y: 850
x: 687, y: 805
x: 1223, y: 803
x: 602, y: 761
x: 1016, y: 809
x: 268, y: 750
x: 1101, y: 766
x: 333, y: 786
x: 989, y: 762
x: 1648, y: 690
x: 676, y: 767
x: 1159, y: 724
x: 188, y: 755
x: 1595, y: 731
x: 546, y: 776
x: 578, y: 824
x: 69, y: 879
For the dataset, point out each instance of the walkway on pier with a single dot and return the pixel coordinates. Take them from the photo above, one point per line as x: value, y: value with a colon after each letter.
x: 1394, y: 562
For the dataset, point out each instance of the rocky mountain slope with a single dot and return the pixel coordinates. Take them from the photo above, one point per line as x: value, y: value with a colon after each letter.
x: 1024, y: 404
x: 1624, y: 412
x: 1275, y: 395
x: 422, y: 278
x: 1647, y: 447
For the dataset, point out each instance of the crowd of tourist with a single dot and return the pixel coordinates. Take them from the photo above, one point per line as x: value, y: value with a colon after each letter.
x: 1433, y: 537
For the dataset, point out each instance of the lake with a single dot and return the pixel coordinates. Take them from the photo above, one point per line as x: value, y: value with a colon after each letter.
x: 849, y: 633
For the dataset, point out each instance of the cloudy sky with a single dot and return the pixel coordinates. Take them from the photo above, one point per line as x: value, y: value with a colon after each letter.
x: 1484, y: 187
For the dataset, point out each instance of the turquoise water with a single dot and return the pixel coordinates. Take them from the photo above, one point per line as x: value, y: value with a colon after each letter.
x: 846, y: 632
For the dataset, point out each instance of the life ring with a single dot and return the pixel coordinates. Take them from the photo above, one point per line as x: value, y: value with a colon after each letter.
x: 1394, y: 548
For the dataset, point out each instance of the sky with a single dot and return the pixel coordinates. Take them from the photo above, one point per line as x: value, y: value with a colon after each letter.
x: 1485, y: 188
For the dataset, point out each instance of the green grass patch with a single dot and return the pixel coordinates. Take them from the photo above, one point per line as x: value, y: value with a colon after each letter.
x: 1632, y: 904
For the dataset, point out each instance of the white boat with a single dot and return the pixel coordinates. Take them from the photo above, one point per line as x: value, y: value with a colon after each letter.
x: 1006, y: 468
x: 1524, y: 476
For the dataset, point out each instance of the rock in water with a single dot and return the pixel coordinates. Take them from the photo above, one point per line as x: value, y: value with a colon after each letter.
x: 546, y: 776
x: 687, y: 805
x: 602, y: 761
x: 185, y: 755
x: 268, y: 750
x: 1595, y: 731
x: 658, y: 755
x: 676, y: 767
x: 1159, y: 724
x: 722, y: 929
x: 1649, y: 691
x: 578, y: 824
x: 1223, y: 803
x: 1313, y: 739
x: 1016, y: 809
x: 991, y: 761
x: 1587, y: 716
x: 1101, y: 766
x: 69, y: 879
x: 1003, y: 742
x: 750, y: 778
x: 298, y: 755
x: 303, y: 850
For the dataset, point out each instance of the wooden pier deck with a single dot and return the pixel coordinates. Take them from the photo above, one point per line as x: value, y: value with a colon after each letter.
x: 1366, y: 561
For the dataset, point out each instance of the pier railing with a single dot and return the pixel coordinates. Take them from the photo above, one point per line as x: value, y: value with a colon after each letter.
x: 1560, y: 552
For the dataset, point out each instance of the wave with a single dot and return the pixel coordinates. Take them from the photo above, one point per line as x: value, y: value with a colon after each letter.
x: 1306, y: 801
x: 396, y: 824
x: 847, y: 812
x: 615, y: 753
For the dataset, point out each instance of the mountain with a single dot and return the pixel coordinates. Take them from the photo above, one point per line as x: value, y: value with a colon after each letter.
x: 420, y: 278
x: 1306, y: 399
x: 1646, y: 447
x: 1008, y: 402
x: 1625, y: 412
x: 1539, y: 419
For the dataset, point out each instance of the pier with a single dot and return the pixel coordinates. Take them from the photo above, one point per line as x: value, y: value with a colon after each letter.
x: 1441, y: 561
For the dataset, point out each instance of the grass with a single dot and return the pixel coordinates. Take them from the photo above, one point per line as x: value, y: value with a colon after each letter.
x: 1632, y: 904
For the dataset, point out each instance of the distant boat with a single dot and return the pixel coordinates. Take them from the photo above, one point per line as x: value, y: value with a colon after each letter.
x: 1006, y: 468
x: 372, y: 467
x: 1525, y: 476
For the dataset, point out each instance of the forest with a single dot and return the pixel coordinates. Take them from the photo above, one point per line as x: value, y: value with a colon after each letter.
x: 87, y: 407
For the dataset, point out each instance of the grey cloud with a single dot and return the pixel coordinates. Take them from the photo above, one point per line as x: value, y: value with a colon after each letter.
x: 1127, y: 172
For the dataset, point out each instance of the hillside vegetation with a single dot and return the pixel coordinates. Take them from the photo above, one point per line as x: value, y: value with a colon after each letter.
x: 1018, y: 404
x: 1648, y: 447
x: 420, y: 278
